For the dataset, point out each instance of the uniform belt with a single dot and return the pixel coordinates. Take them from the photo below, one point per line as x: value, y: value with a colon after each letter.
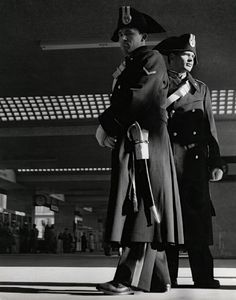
x: 190, y: 146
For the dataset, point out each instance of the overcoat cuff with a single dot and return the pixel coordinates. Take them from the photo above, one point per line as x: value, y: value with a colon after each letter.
x: 110, y: 123
x: 215, y: 162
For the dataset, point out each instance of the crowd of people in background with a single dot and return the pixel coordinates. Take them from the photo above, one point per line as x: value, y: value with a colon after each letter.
x: 25, y: 239
x: 7, y: 239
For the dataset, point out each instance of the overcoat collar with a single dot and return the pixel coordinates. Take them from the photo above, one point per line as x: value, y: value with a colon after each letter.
x: 193, y: 82
x: 178, y: 80
x: 136, y: 53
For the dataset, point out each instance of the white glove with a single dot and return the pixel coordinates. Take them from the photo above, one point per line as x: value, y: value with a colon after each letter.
x: 216, y: 174
x: 101, y: 136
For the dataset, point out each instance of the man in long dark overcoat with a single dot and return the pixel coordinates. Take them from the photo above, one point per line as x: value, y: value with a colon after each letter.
x: 139, y: 95
x: 197, y: 157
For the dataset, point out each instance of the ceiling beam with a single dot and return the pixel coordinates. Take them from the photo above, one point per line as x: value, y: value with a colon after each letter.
x: 63, y: 178
x: 48, y: 131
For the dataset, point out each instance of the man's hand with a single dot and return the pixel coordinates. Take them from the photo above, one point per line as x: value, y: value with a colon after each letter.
x: 103, y: 139
x: 109, y: 142
x: 101, y: 136
x: 216, y: 174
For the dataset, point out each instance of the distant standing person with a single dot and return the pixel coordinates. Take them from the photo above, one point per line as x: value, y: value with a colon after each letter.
x: 67, y: 240
x: 83, y: 242
x: 52, y: 240
x: 91, y: 242
x: 60, y: 243
x: 34, y: 239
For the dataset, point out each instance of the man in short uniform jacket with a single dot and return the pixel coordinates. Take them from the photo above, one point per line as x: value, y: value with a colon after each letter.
x: 197, y: 157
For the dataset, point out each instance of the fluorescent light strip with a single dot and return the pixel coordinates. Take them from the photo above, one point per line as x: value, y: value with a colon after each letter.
x: 88, y: 169
x: 47, y: 46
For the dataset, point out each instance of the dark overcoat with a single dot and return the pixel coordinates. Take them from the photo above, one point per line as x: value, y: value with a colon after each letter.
x: 196, y: 152
x: 139, y: 94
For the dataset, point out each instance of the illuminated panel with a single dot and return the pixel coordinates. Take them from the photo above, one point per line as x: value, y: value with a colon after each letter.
x: 87, y: 106
x: 223, y: 102
x: 38, y: 108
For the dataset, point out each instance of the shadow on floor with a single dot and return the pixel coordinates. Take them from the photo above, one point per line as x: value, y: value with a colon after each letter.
x: 20, y: 287
x: 190, y: 286
x: 72, y: 284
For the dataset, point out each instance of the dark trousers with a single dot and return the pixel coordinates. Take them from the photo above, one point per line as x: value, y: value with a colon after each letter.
x: 142, y: 267
x: 200, y: 260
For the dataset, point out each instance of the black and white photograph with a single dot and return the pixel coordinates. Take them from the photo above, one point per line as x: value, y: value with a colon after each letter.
x: 117, y: 149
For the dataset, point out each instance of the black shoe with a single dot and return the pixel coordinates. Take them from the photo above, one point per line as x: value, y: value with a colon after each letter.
x: 162, y: 289
x: 174, y: 283
x: 137, y: 290
x: 208, y: 284
x: 114, y: 288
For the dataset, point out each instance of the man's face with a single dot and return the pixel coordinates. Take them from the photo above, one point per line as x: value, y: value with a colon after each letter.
x: 130, y: 39
x: 182, y: 62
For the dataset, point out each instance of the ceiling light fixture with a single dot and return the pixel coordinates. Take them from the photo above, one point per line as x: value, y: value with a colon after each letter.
x: 50, y: 45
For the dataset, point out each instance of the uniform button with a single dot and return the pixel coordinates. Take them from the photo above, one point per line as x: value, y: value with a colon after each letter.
x: 196, y: 156
x: 174, y: 133
x: 173, y: 111
x: 193, y: 110
x: 194, y: 132
x: 118, y: 87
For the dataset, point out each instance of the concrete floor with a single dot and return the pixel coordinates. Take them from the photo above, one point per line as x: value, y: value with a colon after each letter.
x: 74, y: 276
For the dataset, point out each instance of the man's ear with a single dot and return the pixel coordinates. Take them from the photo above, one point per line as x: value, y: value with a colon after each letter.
x: 144, y: 37
x: 171, y: 57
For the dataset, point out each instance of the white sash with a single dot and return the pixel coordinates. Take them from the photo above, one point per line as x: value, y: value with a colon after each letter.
x: 181, y: 92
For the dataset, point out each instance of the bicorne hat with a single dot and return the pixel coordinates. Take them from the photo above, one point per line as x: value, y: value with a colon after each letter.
x: 184, y: 42
x: 132, y: 18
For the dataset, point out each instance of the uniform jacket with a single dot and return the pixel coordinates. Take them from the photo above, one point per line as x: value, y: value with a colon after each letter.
x: 196, y: 152
x: 138, y: 95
